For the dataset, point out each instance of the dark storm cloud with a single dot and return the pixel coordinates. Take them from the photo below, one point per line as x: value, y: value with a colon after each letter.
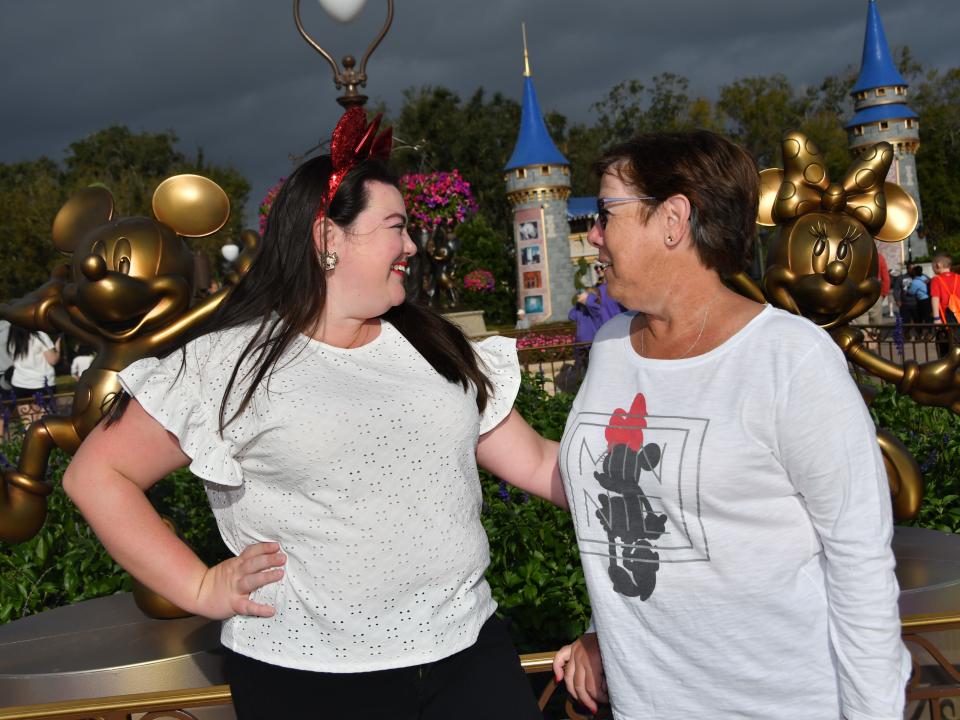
x: 234, y: 77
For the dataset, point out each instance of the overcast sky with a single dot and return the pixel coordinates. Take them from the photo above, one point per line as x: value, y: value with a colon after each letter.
x: 234, y: 76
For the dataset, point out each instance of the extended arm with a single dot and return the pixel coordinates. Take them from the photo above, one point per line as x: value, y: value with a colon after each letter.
x: 32, y: 311
x: 192, y: 318
x: 107, y: 480
x: 514, y: 452
x: 933, y: 383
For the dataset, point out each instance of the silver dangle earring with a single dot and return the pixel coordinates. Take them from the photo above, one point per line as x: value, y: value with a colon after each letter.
x: 329, y: 260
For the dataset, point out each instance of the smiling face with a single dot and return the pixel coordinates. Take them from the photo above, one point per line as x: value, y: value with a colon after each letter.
x: 824, y: 266
x: 369, y: 277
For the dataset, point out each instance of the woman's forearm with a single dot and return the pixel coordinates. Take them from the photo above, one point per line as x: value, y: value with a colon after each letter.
x: 135, y: 535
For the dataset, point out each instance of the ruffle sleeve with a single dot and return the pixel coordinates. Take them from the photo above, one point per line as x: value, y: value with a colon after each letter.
x: 501, y: 365
x: 173, y: 392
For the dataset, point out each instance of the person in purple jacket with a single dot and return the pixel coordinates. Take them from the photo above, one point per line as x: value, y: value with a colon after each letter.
x: 607, y: 307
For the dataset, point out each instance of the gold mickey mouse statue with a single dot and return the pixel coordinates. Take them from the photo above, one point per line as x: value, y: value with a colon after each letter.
x: 126, y: 292
x: 822, y: 264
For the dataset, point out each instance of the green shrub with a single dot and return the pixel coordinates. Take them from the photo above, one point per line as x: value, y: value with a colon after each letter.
x: 535, y: 572
x: 933, y: 437
x: 65, y: 563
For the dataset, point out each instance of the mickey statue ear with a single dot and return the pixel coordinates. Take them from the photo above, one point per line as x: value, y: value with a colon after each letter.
x: 770, y: 180
x: 194, y: 206
x: 902, y: 214
x: 86, y: 209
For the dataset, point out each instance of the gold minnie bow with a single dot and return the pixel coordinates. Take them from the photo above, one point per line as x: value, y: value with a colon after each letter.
x: 805, y: 187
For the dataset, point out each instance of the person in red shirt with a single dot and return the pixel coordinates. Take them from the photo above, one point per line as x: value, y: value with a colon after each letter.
x: 874, y: 316
x: 945, y: 298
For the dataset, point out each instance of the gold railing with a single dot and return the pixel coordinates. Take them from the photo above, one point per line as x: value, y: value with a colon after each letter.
x: 176, y: 704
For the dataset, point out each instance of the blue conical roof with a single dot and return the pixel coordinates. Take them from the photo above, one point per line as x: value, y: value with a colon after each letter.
x: 877, y: 68
x: 534, y: 144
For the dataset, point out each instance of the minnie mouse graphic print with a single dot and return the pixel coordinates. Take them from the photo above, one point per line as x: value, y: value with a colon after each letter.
x: 733, y: 520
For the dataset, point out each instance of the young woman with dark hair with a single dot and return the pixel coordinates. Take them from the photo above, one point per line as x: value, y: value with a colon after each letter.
x: 33, y: 355
x: 338, y: 430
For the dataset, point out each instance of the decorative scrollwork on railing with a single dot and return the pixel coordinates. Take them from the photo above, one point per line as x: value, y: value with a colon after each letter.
x: 936, y: 686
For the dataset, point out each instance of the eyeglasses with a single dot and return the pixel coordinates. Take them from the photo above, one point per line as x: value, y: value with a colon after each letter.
x: 603, y: 215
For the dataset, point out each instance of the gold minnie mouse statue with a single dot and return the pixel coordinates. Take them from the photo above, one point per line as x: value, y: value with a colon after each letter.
x: 127, y: 293
x: 823, y: 264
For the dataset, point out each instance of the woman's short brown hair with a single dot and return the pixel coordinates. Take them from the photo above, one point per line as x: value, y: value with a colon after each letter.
x: 718, y: 177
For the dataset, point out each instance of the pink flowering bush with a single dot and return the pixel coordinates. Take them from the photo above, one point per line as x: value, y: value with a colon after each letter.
x: 435, y: 199
x: 540, y: 340
x: 480, y: 281
x: 267, y: 203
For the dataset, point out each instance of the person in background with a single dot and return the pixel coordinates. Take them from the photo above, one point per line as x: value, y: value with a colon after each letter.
x: 81, y: 361
x: 920, y: 289
x: 945, y: 300
x: 522, y: 322
x: 607, y: 307
x: 34, y: 356
x: 6, y: 361
x: 874, y: 315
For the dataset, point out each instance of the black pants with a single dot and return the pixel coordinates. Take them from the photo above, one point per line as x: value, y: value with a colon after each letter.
x: 944, y: 333
x: 483, y: 682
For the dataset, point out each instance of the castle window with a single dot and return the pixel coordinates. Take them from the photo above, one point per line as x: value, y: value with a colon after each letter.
x: 908, y: 123
x: 566, y: 170
x: 545, y: 170
x: 881, y: 92
x: 884, y: 125
x: 521, y: 173
x: 858, y: 130
x: 900, y: 90
x: 862, y: 95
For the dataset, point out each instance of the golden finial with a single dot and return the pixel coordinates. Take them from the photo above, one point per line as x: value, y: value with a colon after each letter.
x: 526, y: 57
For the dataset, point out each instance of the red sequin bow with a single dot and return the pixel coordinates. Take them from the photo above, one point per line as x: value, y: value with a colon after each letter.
x: 353, y: 141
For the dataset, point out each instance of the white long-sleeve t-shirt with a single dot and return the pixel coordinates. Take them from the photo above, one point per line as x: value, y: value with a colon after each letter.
x: 733, y: 517
x: 361, y: 463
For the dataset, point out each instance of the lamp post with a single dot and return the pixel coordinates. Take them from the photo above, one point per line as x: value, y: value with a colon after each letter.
x: 349, y: 76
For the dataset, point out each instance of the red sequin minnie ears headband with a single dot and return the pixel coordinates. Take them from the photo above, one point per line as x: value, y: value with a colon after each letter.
x: 354, y: 141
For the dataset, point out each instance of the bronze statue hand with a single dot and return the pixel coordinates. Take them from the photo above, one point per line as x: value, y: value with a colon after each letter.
x: 934, y: 383
x: 33, y: 309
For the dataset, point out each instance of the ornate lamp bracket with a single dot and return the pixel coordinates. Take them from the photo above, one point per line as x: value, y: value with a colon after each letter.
x: 347, y: 77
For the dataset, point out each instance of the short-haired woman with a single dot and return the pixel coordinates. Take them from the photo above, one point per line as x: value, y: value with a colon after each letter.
x: 729, y: 496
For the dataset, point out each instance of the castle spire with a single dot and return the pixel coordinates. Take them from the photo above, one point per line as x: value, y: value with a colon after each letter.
x: 526, y: 56
x: 534, y: 144
x: 877, y: 68
x: 881, y: 113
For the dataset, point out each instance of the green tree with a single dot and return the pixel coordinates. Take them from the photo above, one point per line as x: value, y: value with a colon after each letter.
x: 937, y: 101
x: 30, y: 195
x: 130, y: 164
x: 482, y: 248
x: 760, y: 110
x: 631, y: 107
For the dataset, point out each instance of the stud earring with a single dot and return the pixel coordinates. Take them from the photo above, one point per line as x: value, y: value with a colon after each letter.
x: 670, y: 241
x: 329, y: 260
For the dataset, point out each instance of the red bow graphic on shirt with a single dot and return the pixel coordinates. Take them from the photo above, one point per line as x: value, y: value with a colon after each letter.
x: 627, y: 428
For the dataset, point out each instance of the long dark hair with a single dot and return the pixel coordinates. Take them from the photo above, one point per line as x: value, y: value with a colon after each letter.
x: 285, y: 289
x: 18, y: 341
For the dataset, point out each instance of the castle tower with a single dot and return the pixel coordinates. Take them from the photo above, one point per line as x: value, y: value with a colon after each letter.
x: 538, y: 186
x: 881, y: 113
